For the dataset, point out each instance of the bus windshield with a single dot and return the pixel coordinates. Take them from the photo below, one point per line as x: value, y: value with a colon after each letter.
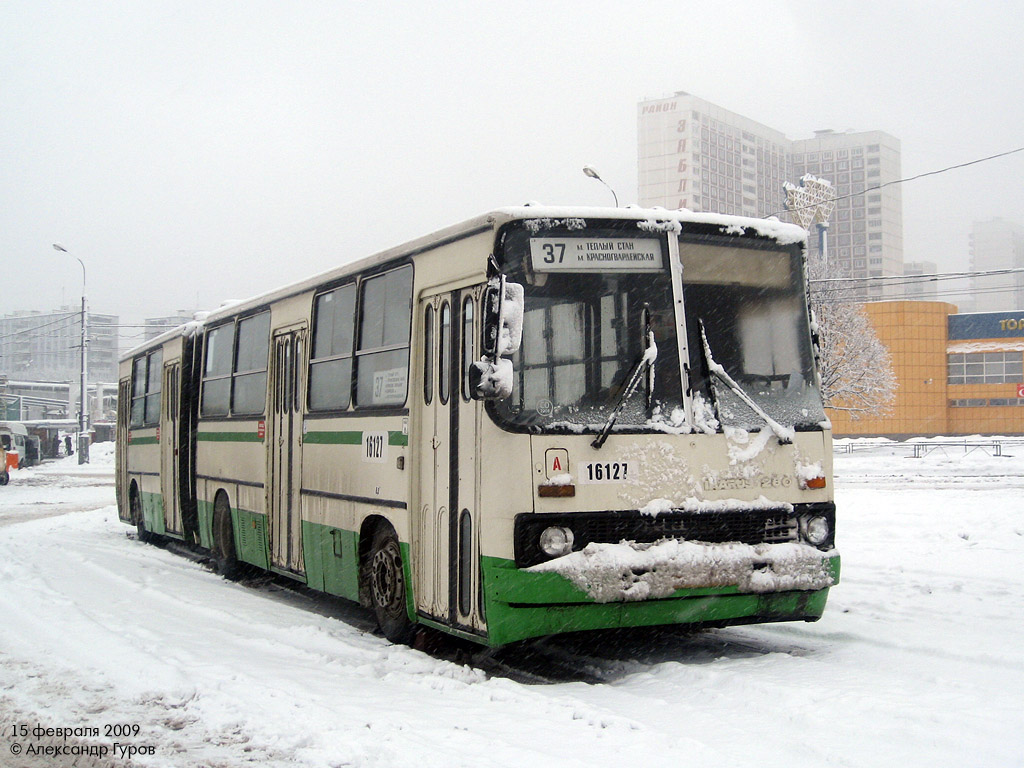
x: 594, y: 305
x: 750, y: 304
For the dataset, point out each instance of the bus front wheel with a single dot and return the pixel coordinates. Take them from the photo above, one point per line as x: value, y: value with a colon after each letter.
x: 224, y: 556
x: 387, y: 586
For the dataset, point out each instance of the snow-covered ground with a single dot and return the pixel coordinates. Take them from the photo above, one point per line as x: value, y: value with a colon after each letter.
x: 919, y: 660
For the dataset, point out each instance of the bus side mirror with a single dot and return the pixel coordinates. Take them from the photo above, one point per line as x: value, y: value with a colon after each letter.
x: 490, y: 381
x: 491, y: 377
x: 503, y: 318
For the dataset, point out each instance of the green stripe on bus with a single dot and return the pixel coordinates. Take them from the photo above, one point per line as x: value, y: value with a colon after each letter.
x: 350, y: 438
x: 143, y: 441
x: 333, y: 438
x: 229, y: 437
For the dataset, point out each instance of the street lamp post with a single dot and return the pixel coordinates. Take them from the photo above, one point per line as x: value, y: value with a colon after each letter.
x: 83, y: 410
x: 812, y: 201
x: 591, y: 172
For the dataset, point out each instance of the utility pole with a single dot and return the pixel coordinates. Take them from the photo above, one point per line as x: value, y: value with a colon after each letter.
x: 83, y: 411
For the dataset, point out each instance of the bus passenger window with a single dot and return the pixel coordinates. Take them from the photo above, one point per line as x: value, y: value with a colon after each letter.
x: 138, y: 392
x: 220, y: 343
x: 250, y: 379
x: 382, y: 356
x: 155, y: 369
x: 330, y: 370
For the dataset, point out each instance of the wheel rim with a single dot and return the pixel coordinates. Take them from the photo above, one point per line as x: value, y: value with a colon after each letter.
x: 387, y: 581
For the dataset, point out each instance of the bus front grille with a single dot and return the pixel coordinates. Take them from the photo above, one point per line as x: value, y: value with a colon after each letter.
x: 763, y: 526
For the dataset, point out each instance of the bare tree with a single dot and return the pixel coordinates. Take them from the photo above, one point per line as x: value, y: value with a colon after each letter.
x: 856, y: 368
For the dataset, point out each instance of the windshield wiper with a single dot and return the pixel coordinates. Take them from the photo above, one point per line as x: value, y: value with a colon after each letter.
x: 784, y: 435
x: 644, y: 362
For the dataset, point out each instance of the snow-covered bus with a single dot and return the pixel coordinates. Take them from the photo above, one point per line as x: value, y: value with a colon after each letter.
x: 539, y: 421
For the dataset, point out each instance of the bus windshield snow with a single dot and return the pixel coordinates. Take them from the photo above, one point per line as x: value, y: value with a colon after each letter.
x: 593, y: 304
x: 749, y: 304
x: 595, y: 301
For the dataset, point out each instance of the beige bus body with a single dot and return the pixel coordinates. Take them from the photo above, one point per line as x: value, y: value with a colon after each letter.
x: 306, y: 492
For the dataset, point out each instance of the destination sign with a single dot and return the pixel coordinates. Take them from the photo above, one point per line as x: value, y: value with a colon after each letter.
x: 596, y: 254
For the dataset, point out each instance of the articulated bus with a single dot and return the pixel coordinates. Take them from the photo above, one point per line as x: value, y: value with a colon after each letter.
x: 540, y: 421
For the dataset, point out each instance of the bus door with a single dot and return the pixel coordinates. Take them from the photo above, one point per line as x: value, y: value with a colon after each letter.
x: 124, y: 407
x: 170, y: 469
x: 446, y: 544
x: 284, y: 447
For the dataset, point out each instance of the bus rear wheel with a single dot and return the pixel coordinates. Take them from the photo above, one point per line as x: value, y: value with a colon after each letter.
x: 386, y: 578
x: 224, y: 557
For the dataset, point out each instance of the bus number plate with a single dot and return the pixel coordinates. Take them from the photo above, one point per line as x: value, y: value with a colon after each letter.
x: 604, y: 472
x: 375, y: 447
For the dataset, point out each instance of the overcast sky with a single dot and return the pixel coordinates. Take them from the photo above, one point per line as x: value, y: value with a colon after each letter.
x: 191, y: 152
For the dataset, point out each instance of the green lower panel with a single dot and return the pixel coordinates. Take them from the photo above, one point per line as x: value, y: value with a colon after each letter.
x: 250, y: 530
x: 521, y: 605
x: 205, y: 512
x: 153, y: 512
x: 251, y: 543
x: 332, y: 559
x: 332, y: 562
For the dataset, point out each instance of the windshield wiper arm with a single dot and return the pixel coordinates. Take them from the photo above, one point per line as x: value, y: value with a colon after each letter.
x: 784, y: 435
x: 643, y: 363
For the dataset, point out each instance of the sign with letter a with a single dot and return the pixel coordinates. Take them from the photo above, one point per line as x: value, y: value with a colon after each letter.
x: 557, y: 460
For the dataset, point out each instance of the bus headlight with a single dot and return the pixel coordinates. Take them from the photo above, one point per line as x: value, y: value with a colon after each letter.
x: 816, y: 530
x: 556, y: 541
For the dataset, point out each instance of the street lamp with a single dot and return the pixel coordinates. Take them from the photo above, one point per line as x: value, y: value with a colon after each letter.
x: 83, y: 411
x: 588, y: 170
x: 812, y: 201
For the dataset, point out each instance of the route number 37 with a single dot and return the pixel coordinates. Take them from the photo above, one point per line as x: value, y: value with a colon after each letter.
x: 554, y: 253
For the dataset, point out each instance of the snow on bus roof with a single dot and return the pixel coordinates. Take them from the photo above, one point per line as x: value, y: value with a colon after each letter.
x: 780, y: 231
x: 191, y: 328
x: 658, y: 219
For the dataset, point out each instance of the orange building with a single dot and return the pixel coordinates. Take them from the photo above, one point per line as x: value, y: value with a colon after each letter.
x: 957, y: 374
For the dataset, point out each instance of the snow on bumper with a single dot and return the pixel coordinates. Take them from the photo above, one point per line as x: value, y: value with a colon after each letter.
x: 630, y: 571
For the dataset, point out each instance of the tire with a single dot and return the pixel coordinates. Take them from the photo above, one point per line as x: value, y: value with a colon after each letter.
x: 140, y: 521
x: 4, y: 478
x: 386, y: 580
x: 224, y: 556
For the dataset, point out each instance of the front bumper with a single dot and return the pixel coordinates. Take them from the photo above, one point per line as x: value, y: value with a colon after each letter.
x: 521, y: 604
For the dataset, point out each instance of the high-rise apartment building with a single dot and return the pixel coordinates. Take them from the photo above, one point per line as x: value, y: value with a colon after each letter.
x: 997, y: 244
x: 46, y: 346
x: 695, y: 154
x: 866, y: 227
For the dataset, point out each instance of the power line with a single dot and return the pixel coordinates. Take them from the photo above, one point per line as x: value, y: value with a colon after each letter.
x: 94, y: 328
x: 849, y: 290
x: 893, y: 281
x: 856, y: 294
x: 909, y: 178
x: 64, y: 319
